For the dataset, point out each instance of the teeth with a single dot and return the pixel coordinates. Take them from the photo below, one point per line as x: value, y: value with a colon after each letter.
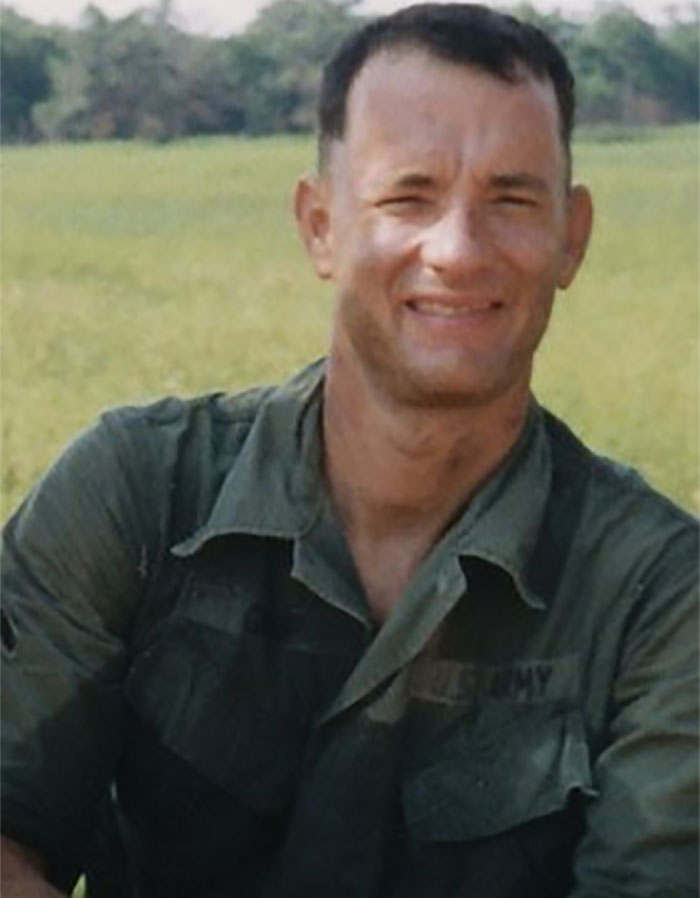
x: 437, y: 308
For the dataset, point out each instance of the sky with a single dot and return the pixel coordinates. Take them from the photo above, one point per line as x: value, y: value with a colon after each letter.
x: 224, y: 17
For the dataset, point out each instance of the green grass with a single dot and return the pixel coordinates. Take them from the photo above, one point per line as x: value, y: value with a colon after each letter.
x: 621, y: 361
x: 130, y: 271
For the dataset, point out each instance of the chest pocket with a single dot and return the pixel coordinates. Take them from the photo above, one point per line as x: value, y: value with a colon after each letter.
x: 504, y: 767
x: 236, y: 676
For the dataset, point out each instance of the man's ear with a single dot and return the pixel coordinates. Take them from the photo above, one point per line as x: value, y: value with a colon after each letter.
x: 313, y: 221
x: 579, y: 222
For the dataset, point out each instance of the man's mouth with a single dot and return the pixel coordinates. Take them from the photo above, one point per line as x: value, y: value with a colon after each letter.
x: 447, y: 309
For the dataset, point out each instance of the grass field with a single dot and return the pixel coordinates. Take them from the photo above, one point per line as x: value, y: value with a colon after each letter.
x: 130, y: 271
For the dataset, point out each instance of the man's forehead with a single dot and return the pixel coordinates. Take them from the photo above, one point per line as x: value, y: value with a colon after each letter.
x: 405, y: 67
x: 409, y: 91
x: 405, y: 132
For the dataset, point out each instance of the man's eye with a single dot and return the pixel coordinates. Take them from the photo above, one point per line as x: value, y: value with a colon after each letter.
x: 407, y: 199
x: 509, y: 199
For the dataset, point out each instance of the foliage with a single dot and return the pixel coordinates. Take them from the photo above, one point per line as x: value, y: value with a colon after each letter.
x: 627, y: 70
x: 132, y: 270
x: 116, y: 80
x: 26, y: 53
x: 297, y: 37
x: 139, y: 76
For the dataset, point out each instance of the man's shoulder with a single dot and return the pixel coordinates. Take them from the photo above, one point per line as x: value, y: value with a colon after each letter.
x: 611, y: 492
x: 179, y: 432
x: 173, y: 413
x: 171, y: 458
x: 218, y: 418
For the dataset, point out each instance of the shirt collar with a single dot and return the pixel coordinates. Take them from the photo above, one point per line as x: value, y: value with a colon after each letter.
x: 274, y: 486
x: 275, y: 489
x: 504, y: 519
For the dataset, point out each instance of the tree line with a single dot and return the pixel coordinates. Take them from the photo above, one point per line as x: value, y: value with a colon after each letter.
x: 141, y: 77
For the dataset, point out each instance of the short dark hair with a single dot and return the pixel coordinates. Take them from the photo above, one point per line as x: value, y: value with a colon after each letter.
x: 464, y: 33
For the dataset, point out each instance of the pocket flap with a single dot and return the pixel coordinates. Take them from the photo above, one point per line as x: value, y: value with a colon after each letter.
x: 504, y: 766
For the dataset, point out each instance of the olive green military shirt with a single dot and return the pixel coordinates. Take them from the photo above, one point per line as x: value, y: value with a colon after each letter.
x: 183, y: 628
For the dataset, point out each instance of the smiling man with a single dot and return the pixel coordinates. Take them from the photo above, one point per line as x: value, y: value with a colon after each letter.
x: 389, y: 630
x: 445, y: 217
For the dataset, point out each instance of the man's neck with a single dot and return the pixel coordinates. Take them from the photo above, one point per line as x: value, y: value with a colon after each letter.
x: 399, y: 475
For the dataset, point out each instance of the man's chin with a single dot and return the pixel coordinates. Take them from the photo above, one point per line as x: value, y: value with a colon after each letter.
x: 439, y: 387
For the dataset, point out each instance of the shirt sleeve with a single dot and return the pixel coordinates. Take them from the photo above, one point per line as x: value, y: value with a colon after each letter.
x: 642, y: 835
x: 75, y: 562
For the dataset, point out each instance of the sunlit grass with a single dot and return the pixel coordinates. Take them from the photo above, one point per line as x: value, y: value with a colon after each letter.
x: 621, y: 362
x: 130, y: 271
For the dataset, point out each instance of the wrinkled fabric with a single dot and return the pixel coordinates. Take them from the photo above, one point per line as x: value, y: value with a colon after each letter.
x: 188, y: 656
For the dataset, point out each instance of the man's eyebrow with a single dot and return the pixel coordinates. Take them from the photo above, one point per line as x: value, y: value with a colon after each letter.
x: 519, y: 181
x: 411, y: 179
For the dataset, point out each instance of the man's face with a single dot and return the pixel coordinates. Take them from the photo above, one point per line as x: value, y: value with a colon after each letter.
x: 445, y: 222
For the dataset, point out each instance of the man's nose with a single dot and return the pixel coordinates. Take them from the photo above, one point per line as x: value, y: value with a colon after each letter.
x: 457, y: 243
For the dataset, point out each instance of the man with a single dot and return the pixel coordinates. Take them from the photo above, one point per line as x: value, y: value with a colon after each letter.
x: 390, y: 629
